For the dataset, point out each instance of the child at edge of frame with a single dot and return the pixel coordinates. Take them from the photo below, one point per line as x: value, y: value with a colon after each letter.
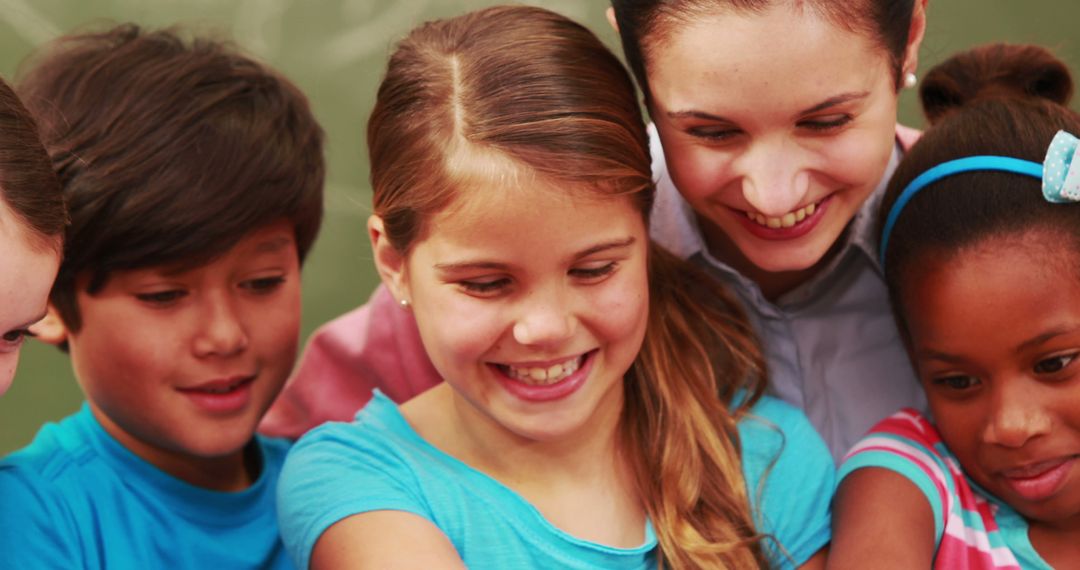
x: 194, y: 179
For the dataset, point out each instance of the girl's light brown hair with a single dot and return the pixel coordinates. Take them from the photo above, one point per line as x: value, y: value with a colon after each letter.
x: 532, y: 88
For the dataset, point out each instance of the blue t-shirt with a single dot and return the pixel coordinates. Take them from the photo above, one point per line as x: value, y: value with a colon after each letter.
x: 76, y: 498
x: 378, y: 462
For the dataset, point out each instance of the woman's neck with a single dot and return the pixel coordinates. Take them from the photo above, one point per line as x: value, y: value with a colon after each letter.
x: 773, y: 284
x: 1056, y: 543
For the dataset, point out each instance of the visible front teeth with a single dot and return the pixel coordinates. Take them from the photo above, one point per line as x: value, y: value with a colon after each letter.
x: 786, y: 221
x: 544, y: 376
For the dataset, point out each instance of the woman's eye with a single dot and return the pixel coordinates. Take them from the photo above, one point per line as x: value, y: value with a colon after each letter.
x: 593, y: 272
x: 263, y: 284
x: 958, y: 382
x: 161, y: 297
x: 826, y: 123
x: 489, y: 287
x: 713, y: 134
x: 1054, y: 363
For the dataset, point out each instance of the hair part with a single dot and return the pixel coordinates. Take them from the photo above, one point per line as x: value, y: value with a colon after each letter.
x: 28, y: 185
x: 520, y: 91
x: 646, y: 25
x: 1000, y: 100
x: 169, y: 151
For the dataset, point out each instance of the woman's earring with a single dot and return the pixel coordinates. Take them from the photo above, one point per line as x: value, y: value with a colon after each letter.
x: 910, y: 80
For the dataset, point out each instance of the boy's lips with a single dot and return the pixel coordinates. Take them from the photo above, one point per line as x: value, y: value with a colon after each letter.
x: 1039, y: 480
x: 225, y: 395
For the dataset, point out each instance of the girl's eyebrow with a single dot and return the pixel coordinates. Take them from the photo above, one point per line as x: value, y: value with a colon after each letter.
x: 1048, y: 335
x: 494, y: 265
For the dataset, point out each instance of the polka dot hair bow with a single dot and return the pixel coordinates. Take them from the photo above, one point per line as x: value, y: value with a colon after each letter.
x: 1061, y: 173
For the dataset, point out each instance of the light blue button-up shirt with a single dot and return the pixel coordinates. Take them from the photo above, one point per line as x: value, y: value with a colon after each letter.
x: 832, y: 346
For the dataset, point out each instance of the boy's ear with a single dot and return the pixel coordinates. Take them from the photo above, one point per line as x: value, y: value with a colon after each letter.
x: 51, y: 329
x: 610, y: 13
x: 388, y: 261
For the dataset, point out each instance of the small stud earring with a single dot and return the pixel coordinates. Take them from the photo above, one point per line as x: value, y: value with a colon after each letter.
x: 910, y: 80
x: 404, y: 303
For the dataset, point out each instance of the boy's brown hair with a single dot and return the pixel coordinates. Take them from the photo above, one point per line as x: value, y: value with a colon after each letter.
x: 169, y: 151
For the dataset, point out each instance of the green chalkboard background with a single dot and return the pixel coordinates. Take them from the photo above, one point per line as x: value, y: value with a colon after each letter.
x: 335, y: 51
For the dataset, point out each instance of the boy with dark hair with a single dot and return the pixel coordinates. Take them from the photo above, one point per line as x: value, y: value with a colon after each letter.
x: 194, y: 180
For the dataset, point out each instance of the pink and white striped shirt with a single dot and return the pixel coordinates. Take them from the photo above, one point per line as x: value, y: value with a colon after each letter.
x: 972, y: 529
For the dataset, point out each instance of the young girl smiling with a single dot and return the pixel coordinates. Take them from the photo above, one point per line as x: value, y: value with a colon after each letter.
x: 602, y: 404
x: 981, y: 254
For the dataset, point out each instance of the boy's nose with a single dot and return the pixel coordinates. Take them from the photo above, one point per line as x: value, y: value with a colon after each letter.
x: 221, y: 333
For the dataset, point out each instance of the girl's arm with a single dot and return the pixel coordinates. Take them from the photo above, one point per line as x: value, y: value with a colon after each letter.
x: 384, y: 539
x: 817, y: 561
x: 881, y: 518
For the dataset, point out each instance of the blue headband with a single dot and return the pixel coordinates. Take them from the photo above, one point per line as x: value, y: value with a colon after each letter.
x: 1060, y: 177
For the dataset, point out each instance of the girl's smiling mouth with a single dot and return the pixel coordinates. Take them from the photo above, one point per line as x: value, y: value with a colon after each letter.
x: 541, y: 383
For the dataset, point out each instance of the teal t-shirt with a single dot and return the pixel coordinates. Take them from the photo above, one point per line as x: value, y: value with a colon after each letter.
x: 76, y: 498
x: 378, y: 462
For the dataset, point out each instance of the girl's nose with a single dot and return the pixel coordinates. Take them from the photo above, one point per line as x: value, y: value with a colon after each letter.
x: 545, y: 320
x: 1017, y: 417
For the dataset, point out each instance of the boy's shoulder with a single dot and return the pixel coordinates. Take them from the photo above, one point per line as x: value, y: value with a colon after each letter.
x: 58, y: 451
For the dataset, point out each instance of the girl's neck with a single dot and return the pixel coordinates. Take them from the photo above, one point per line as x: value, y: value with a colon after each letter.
x: 580, y: 483
x: 1056, y: 543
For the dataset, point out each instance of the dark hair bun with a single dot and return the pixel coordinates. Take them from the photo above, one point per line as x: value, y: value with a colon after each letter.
x: 995, y: 71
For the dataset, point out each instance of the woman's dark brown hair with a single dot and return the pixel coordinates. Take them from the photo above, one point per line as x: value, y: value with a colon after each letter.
x: 643, y: 24
x: 169, y: 151
x: 28, y: 185
x: 1002, y: 100
x: 543, y: 95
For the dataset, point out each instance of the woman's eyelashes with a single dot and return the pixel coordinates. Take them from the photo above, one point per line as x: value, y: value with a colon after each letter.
x: 724, y: 133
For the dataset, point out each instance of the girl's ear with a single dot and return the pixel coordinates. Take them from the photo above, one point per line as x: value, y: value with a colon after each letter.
x: 51, y: 329
x: 915, y: 36
x: 389, y: 262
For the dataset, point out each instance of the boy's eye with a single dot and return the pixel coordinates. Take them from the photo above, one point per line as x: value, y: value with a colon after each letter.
x: 1054, y: 363
x: 826, y: 123
x: 485, y: 287
x: 593, y: 273
x: 161, y: 297
x: 264, y: 284
x: 958, y: 382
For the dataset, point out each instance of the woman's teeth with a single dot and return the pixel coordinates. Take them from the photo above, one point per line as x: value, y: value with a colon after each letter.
x: 544, y: 376
x: 786, y: 221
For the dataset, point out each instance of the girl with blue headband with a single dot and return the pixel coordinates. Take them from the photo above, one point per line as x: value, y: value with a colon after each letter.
x: 981, y: 251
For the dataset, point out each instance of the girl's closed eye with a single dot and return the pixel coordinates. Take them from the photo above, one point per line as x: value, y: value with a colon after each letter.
x: 14, y: 338
x: 594, y: 272
x: 485, y: 287
x: 957, y: 383
x: 1054, y: 364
